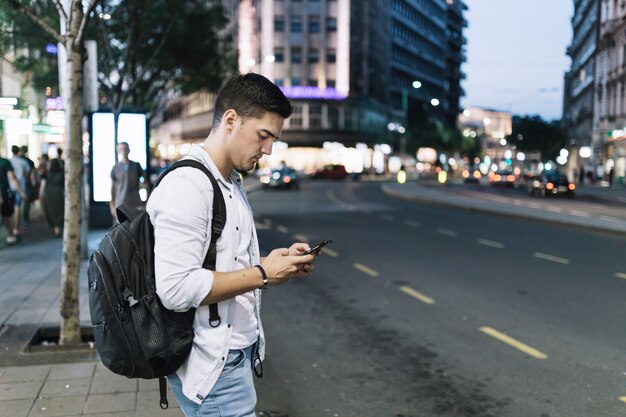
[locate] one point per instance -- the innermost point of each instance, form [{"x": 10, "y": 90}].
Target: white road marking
[
  {"x": 555, "y": 209},
  {"x": 513, "y": 343},
  {"x": 369, "y": 271},
  {"x": 423, "y": 298},
  {"x": 261, "y": 226},
  {"x": 446, "y": 232},
  {"x": 620, "y": 275},
  {"x": 330, "y": 252},
  {"x": 388, "y": 217},
  {"x": 552, "y": 258},
  {"x": 490, "y": 243},
  {"x": 282, "y": 229},
  {"x": 300, "y": 238},
  {"x": 413, "y": 223},
  {"x": 579, "y": 213},
  {"x": 611, "y": 219}
]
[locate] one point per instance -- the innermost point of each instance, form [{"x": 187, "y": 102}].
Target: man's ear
[{"x": 230, "y": 119}]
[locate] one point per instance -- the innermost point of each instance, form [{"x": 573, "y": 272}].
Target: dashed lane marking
[
  {"x": 552, "y": 258},
  {"x": 530, "y": 351},
  {"x": 413, "y": 223},
  {"x": 490, "y": 243},
  {"x": 261, "y": 226},
  {"x": 300, "y": 238},
  {"x": 388, "y": 217},
  {"x": 423, "y": 298},
  {"x": 620, "y": 275},
  {"x": 447, "y": 232},
  {"x": 610, "y": 219},
  {"x": 579, "y": 213},
  {"x": 555, "y": 209},
  {"x": 622, "y": 399},
  {"x": 330, "y": 252},
  {"x": 369, "y": 271},
  {"x": 282, "y": 229}
]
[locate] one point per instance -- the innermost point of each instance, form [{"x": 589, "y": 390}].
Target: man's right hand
[{"x": 280, "y": 267}]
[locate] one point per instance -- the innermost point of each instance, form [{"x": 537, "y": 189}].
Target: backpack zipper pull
[{"x": 121, "y": 313}]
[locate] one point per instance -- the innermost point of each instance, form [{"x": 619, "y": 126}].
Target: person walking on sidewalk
[
  {"x": 7, "y": 198},
  {"x": 126, "y": 176},
  {"x": 22, "y": 173},
  {"x": 216, "y": 379},
  {"x": 52, "y": 193}
]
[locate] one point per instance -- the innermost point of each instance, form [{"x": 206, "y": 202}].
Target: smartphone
[{"x": 317, "y": 247}]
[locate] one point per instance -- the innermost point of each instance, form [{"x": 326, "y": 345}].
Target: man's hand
[{"x": 280, "y": 265}]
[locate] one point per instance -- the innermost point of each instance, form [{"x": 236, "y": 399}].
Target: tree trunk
[{"x": 70, "y": 267}]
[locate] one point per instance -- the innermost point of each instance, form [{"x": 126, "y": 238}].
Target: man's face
[
  {"x": 122, "y": 153},
  {"x": 254, "y": 138}
]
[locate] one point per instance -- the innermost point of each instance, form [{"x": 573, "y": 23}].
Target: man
[
  {"x": 216, "y": 379},
  {"x": 7, "y": 198},
  {"x": 22, "y": 173},
  {"x": 32, "y": 186},
  {"x": 125, "y": 180}
]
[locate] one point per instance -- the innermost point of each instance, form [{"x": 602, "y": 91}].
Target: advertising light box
[{"x": 132, "y": 130}]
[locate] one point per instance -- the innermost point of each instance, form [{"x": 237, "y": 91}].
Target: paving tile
[
  {"x": 150, "y": 401},
  {"x": 170, "y": 412},
  {"x": 116, "y": 414},
  {"x": 15, "y": 408},
  {"x": 108, "y": 403},
  {"x": 109, "y": 383},
  {"x": 148, "y": 384},
  {"x": 65, "y": 388},
  {"x": 20, "y": 390},
  {"x": 25, "y": 373},
  {"x": 58, "y": 407},
  {"x": 72, "y": 371}
]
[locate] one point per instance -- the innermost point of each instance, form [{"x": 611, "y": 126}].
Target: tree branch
[
  {"x": 16, "y": 5},
  {"x": 153, "y": 57},
  {"x": 61, "y": 11},
  {"x": 79, "y": 36}
]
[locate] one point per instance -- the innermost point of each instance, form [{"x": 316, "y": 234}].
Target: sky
[{"x": 516, "y": 55}]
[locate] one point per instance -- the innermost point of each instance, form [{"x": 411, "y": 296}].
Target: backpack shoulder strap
[{"x": 217, "y": 223}]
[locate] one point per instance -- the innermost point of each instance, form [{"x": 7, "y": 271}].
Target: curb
[{"x": 428, "y": 196}]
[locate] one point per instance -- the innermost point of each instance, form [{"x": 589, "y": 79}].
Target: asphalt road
[{"x": 418, "y": 310}]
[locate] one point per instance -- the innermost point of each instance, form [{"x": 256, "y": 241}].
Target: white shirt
[{"x": 180, "y": 210}]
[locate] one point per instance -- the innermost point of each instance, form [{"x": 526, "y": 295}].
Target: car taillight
[
  {"x": 497, "y": 177},
  {"x": 571, "y": 187},
  {"x": 465, "y": 174},
  {"x": 549, "y": 186},
  {"x": 510, "y": 178},
  {"x": 476, "y": 174},
  {"x": 286, "y": 179}
]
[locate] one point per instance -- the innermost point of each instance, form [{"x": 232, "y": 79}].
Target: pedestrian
[
  {"x": 32, "y": 190},
  {"x": 216, "y": 379},
  {"x": 22, "y": 173},
  {"x": 611, "y": 176},
  {"x": 52, "y": 193},
  {"x": 7, "y": 198},
  {"x": 126, "y": 176}
]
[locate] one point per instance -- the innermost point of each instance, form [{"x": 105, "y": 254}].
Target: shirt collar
[{"x": 197, "y": 152}]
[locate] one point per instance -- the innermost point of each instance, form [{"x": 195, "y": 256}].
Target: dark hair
[
  {"x": 15, "y": 149},
  {"x": 251, "y": 96},
  {"x": 125, "y": 144},
  {"x": 24, "y": 149}
]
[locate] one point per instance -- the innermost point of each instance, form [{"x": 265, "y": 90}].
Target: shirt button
[
  {"x": 230, "y": 196},
  {"x": 229, "y": 325},
  {"x": 237, "y": 228},
  {"x": 235, "y": 258},
  {"x": 238, "y": 180},
  {"x": 222, "y": 358}
]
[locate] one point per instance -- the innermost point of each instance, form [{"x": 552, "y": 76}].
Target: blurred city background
[{"x": 467, "y": 158}]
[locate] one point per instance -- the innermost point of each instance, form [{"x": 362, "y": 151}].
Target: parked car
[
  {"x": 551, "y": 184},
  {"x": 286, "y": 178},
  {"x": 471, "y": 175},
  {"x": 502, "y": 178},
  {"x": 331, "y": 172}
]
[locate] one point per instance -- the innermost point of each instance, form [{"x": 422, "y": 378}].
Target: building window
[
  {"x": 314, "y": 24},
  {"x": 296, "y": 116},
  {"x": 331, "y": 24},
  {"x": 279, "y": 82},
  {"x": 279, "y": 54},
  {"x": 330, "y": 83},
  {"x": 296, "y": 23},
  {"x": 331, "y": 55},
  {"x": 296, "y": 82},
  {"x": 312, "y": 82},
  {"x": 279, "y": 23},
  {"x": 333, "y": 117},
  {"x": 314, "y": 55},
  {"x": 296, "y": 55},
  {"x": 315, "y": 115}
]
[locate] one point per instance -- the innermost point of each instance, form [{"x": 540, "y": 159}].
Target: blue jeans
[{"x": 233, "y": 394}]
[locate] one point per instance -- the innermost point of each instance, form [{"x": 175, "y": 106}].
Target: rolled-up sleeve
[{"x": 180, "y": 213}]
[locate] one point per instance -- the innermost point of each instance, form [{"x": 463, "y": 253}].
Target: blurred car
[
  {"x": 502, "y": 178},
  {"x": 331, "y": 172},
  {"x": 471, "y": 175},
  {"x": 551, "y": 184},
  {"x": 286, "y": 178}
]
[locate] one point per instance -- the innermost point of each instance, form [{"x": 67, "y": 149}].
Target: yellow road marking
[
  {"x": 490, "y": 243},
  {"x": 330, "y": 252},
  {"x": 622, "y": 399},
  {"x": 552, "y": 258},
  {"x": 447, "y": 232},
  {"x": 620, "y": 275},
  {"x": 423, "y": 298},
  {"x": 513, "y": 343},
  {"x": 282, "y": 229},
  {"x": 369, "y": 271}
]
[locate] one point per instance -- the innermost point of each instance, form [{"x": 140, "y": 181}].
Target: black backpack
[{"x": 134, "y": 334}]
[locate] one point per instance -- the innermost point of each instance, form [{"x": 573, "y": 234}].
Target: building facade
[{"x": 609, "y": 130}]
